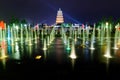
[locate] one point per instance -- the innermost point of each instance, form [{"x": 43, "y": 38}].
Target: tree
[
  {"x": 14, "y": 20},
  {"x": 23, "y": 21}
]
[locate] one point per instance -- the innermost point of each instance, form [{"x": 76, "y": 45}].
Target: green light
[{"x": 68, "y": 48}]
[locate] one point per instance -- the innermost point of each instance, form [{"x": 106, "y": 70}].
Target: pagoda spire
[{"x": 59, "y": 9}]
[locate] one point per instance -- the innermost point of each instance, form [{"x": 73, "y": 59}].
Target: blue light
[
  {"x": 55, "y": 8},
  {"x": 9, "y": 33}
]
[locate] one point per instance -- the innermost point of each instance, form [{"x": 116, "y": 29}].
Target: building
[{"x": 59, "y": 18}]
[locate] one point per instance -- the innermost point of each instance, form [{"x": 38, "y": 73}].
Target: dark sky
[{"x": 44, "y": 11}]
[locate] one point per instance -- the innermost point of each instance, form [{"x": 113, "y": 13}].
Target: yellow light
[
  {"x": 106, "y": 23},
  {"x": 118, "y": 43},
  {"x": 108, "y": 56},
  {"x": 73, "y": 56},
  {"x": 30, "y": 44},
  {"x": 115, "y": 48},
  {"x": 44, "y": 48},
  {"x": 92, "y": 48},
  {"x": 83, "y": 46},
  {"x": 3, "y": 57},
  {"x": 38, "y": 57}
]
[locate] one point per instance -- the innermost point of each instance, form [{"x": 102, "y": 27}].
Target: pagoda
[{"x": 59, "y": 18}]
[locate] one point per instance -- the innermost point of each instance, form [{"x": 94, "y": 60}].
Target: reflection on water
[
  {"x": 57, "y": 51},
  {"x": 45, "y": 54},
  {"x": 91, "y": 54},
  {"x": 73, "y": 63},
  {"x": 86, "y": 54},
  {"x": 3, "y": 53},
  {"x": 73, "y": 54},
  {"x": 59, "y": 55},
  {"x": 17, "y": 51},
  {"x": 30, "y": 50},
  {"x": 107, "y": 64},
  {"x": 117, "y": 53},
  {"x": 16, "y": 54},
  {"x": 3, "y": 57}
]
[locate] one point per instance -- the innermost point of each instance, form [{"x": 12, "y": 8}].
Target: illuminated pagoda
[{"x": 59, "y": 18}]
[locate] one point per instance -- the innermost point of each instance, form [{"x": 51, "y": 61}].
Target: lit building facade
[{"x": 59, "y": 18}]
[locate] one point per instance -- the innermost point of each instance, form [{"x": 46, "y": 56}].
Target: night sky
[{"x": 45, "y": 11}]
